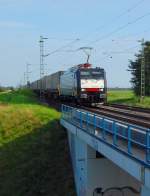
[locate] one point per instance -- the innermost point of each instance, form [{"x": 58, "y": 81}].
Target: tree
[{"x": 135, "y": 68}]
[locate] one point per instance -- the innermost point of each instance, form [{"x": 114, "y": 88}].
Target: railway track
[
  {"x": 133, "y": 108},
  {"x": 129, "y": 115},
  {"x": 125, "y": 111}
]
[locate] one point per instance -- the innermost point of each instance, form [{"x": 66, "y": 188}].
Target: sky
[{"x": 112, "y": 28}]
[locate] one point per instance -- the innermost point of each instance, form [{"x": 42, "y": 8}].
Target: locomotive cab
[
  {"x": 91, "y": 85},
  {"x": 83, "y": 84}
]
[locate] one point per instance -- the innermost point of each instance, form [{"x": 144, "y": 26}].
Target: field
[
  {"x": 127, "y": 97},
  {"x": 34, "y": 157}
]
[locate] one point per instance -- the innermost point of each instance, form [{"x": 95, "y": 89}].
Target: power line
[
  {"x": 42, "y": 55},
  {"x": 64, "y": 39},
  {"x": 127, "y": 50},
  {"x": 62, "y": 47},
  {"x": 130, "y": 9},
  {"x": 120, "y": 28},
  {"x": 128, "y": 39},
  {"x": 136, "y": 34}
]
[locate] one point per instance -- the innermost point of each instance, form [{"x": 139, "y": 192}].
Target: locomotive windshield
[{"x": 92, "y": 74}]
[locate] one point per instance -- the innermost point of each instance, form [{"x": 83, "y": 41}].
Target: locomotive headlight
[{"x": 83, "y": 90}]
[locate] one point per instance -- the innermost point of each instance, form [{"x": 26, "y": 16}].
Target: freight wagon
[{"x": 52, "y": 86}]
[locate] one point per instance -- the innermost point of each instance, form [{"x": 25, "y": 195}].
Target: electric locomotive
[{"x": 84, "y": 84}]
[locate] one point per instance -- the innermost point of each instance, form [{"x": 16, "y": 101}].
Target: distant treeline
[
  {"x": 2, "y": 88},
  {"x": 119, "y": 89}
]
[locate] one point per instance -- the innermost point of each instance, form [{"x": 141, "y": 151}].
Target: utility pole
[
  {"x": 42, "y": 66},
  {"x": 27, "y": 74},
  {"x": 142, "y": 72},
  {"x": 24, "y": 79}
]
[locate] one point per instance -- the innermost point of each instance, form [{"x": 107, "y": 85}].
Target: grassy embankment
[
  {"x": 33, "y": 148},
  {"x": 127, "y": 97}
]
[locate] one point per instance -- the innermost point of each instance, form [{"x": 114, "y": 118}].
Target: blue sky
[{"x": 109, "y": 26}]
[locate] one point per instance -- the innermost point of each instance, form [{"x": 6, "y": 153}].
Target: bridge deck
[
  {"x": 133, "y": 140},
  {"x": 129, "y": 140}
]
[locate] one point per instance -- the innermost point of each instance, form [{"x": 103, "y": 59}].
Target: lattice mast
[
  {"x": 42, "y": 92},
  {"x": 142, "y": 71}
]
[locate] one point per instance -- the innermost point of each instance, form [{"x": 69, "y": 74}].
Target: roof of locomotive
[{"x": 85, "y": 66}]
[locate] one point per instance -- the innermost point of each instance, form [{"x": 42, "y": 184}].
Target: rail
[{"x": 130, "y": 139}]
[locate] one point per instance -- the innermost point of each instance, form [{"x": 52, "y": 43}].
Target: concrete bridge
[{"x": 109, "y": 157}]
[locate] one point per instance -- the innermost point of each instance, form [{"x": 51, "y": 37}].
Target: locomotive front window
[
  {"x": 96, "y": 73},
  {"x": 85, "y": 73},
  {"x": 91, "y": 74}
]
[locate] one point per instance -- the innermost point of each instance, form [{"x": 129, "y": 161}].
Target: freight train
[{"x": 80, "y": 84}]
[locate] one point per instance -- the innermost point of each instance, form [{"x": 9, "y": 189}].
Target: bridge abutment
[{"x": 93, "y": 170}]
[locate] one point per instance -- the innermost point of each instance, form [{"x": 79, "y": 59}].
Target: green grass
[
  {"x": 18, "y": 97},
  {"x": 127, "y": 97},
  {"x": 33, "y": 148}
]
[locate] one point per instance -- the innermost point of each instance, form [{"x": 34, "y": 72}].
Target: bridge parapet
[{"x": 129, "y": 139}]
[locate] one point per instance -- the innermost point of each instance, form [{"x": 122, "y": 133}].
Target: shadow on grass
[{"x": 37, "y": 164}]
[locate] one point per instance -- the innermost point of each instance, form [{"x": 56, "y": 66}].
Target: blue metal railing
[{"x": 130, "y": 139}]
